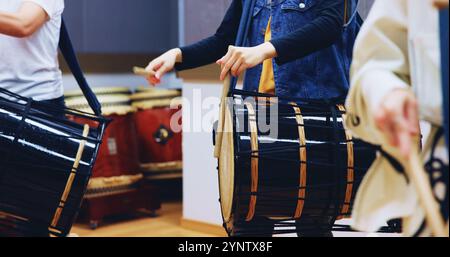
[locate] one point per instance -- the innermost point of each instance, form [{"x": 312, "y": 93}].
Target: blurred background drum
[
  {"x": 116, "y": 184},
  {"x": 158, "y": 127},
  {"x": 118, "y": 154},
  {"x": 99, "y": 91}
]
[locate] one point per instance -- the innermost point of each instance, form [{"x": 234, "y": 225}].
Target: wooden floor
[{"x": 167, "y": 224}]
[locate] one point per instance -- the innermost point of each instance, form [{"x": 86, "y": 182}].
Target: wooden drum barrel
[
  {"x": 117, "y": 165},
  {"x": 158, "y": 127}
]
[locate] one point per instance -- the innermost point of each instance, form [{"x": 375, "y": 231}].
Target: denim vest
[{"x": 320, "y": 75}]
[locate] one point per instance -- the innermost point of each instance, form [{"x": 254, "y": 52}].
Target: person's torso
[
  {"x": 320, "y": 75},
  {"x": 424, "y": 58},
  {"x": 29, "y": 66}
]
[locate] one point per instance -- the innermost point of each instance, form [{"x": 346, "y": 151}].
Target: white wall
[{"x": 200, "y": 181}]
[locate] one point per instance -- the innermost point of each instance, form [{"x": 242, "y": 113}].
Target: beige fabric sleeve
[{"x": 380, "y": 64}]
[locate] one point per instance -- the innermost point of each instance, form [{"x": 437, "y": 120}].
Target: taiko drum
[
  {"x": 158, "y": 127},
  {"x": 118, "y": 155}
]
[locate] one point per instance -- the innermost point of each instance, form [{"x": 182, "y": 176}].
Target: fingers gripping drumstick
[
  {"x": 142, "y": 72},
  {"x": 420, "y": 180},
  {"x": 223, "y": 106}
]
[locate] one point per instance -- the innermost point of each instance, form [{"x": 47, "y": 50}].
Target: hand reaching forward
[{"x": 163, "y": 64}]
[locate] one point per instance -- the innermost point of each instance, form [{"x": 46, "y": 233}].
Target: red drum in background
[
  {"x": 116, "y": 185},
  {"x": 118, "y": 155},
  {"x": 160, "y": 152}
]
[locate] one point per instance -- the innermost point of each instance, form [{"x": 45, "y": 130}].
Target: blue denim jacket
[{"x": 321, "y": 75}]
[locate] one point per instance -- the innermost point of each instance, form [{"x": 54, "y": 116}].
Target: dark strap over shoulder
[
  {"x": 65, "y": 45},
  {"x": 443, "y": 17},
  {"x": 351, "y": 13},
  {"x": 244, "y": 26}
]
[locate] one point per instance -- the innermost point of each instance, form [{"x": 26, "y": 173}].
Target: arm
[
  {"x": 211, "y": 49},
  {"x": 382, "y": 110},
  {"x": 27, "y": 20},
  {"x": 320, "y": 33},
  {"x": 201, "y": 53}
]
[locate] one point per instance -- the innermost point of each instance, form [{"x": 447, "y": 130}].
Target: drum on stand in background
[
  {"x": 116, "y": 175},
  {"x": 299, "y": 181},
  {"x": 46, "y": 161},
  {"x": 99, "y": 91},
  {"x": 118, "y": 154},
  {"x": 160, "y": 152}
]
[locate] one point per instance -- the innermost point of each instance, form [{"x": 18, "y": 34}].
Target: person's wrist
[
  {"x": 268, "y": 50},
  {"x": 178, "y": 55}
]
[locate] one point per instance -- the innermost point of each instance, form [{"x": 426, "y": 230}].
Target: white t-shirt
[{"x": 29, "y": 66}]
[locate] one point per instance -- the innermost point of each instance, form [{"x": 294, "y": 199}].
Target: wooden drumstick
[
  {"x": 223, "y": 106},
  {"x": 142, "y": 72},
  {"x": 432, "y": 214}
]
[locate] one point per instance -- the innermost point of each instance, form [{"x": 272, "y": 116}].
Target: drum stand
[{"x": 97, "y": 207}]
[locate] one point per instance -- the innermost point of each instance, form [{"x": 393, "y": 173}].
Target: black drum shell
[
  {"x": 37, "y": 154},
  {"x": 279, "y": 167}
]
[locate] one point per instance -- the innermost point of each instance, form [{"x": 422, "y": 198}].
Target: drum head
[{"x": 226, "y": 168}]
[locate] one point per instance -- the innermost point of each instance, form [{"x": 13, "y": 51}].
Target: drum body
[
  {"x": 308, "y": 171},
  {"x": 158, "y": 140},
  {"x": 118, "y": 155},
  {"x": 117, "y": 167},
  {"x": 46, "y": 163}
]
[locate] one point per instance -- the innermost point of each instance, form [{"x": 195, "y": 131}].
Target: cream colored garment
[{"x": 396, "y": 48}]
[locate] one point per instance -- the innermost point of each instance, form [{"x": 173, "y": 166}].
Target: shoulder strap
[
  {"x": 66, "y": 47},
  {"x": 244, "y": 26},
  {"x": 443, "y": 17},
  {"x": 351, "y": 13}
]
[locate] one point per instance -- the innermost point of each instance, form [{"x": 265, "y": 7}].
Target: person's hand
[
  {"x": 163, "y": 64},
  {"x": 397, "y": 117},
  {"x": 239, "y": 59}
]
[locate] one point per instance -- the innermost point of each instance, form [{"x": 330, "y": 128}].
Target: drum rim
[
  {"x": 99, "y": 91},
  {"x": 111, "y": 104},
  {"x": 155, "y": 94},
  {"x": 233, "y": 203},
  {"x": 156, "y": 103}
]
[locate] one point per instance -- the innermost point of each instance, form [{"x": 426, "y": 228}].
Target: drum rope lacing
[{"x": 338, "y": 181}]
